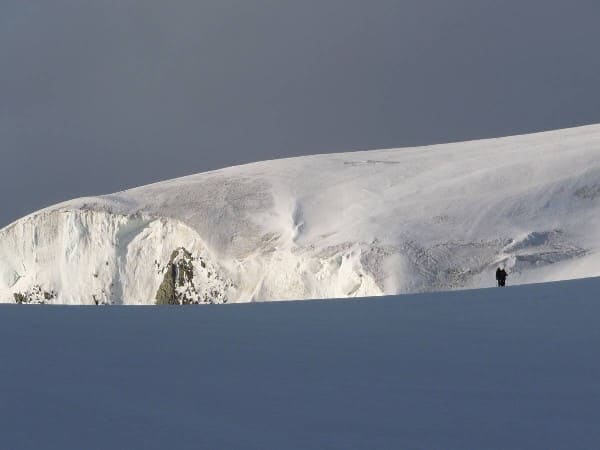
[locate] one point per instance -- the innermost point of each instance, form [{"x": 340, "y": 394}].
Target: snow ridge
[{"x": 339, "y": 225}]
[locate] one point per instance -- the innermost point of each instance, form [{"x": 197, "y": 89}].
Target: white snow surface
[
  {"x": 353, "y": 224},
  {"x": 495, "y": 369}
]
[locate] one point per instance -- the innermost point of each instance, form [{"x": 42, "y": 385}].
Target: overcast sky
[{"x": 100, "y": 96}]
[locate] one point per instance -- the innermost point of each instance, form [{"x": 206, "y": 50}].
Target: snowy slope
[
  {"x": 493, "y": 369},
  {"x": 337, "y": 225}
]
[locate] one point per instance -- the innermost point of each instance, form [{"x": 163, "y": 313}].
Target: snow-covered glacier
[{"x": 336, "y": 225}]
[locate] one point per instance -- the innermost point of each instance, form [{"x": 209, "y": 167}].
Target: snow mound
[{"x": 338, "y": 225}]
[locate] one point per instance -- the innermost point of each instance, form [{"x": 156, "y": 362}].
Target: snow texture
[
  {"x": 326, "y": 226},
  {"x": 511, "y": 368}
]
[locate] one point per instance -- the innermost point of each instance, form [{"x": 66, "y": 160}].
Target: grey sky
[{"x": 100, "y": 96}]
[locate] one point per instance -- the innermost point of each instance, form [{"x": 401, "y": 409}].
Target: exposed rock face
[
  {"x": 35, "y": 295},
  {"x": 189, "y": 280}
]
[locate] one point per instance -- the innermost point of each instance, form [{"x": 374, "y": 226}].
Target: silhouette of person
[{"x": 501, "y": 276}]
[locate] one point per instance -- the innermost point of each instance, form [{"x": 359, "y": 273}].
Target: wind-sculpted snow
[{"x": 339, "y": 225}]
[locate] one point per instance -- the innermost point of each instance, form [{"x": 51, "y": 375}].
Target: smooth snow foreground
[
  {"x": 338, "y": 225},
  {"x": 514, "y": 368}
]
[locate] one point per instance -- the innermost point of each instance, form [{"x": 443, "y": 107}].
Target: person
[{"x": 501, "y": 276}]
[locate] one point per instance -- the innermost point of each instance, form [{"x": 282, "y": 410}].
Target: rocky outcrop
[
  {"x": 35, "y": 295},
  {"x": 183, "y": 282}
]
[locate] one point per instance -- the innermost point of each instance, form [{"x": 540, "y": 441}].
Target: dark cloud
[{"x": 100, "y": 96}]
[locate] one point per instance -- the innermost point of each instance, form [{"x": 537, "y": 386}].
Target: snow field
[
  {"x": 325, "y": 226},
  {"x": 513, "y": 368}
]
